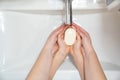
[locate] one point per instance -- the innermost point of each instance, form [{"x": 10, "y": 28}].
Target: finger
[
  {"x": 57, "y": 31},
  {"x": 71, "y": 50},
  {"x": 77, "y": 36},
  {"x": 81, "y": 34},
  {"x": 66, "y": 27},
  {"x": 73, "y": 27},
  {"x": 80, "y": 29},
  {"x": 61, "y": 34},
  {"x": 76, "y": 26},
  {"x": 60, "y": 37},
  {"x": 77, "y": 43},
  {"x": 55, "y": 48}
]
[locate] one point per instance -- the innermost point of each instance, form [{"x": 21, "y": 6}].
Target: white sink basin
[{"x": 24, "y": 32}]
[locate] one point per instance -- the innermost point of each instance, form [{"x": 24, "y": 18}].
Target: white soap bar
[{"x": 70, "y": 36}]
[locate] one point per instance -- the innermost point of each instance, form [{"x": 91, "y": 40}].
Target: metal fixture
[{"x": 68, "y": 12}]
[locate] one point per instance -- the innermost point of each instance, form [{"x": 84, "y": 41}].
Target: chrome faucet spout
[{"x": 68, "y": 12}]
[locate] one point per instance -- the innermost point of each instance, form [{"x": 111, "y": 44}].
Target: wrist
[
  {"x": 46, "y": 52},
  {"x": 90, "y": 55},
  {"x": 50, "y": 77},
  {"x": 88, "y": 51},
  {"x": 63, "y": 50}
]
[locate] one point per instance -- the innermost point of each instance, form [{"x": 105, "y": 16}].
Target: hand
[
  {"x": 41, "y": 68},
  {"x": 77, "y": 55},
  {"x": 92, "y": 67},
  {"x": 51, "y": 43},
  {"x": 60, "y": 55},
  {"x": 86, "y": 40}
]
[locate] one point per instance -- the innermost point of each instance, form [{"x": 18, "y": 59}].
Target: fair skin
[
  {"x": 55, "y": 51},
  {"x": 51, "y": 56},
  {"x": 92, "y": 68}
]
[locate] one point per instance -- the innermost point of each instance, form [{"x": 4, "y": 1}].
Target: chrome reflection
[{"x": 2, "y": 28}]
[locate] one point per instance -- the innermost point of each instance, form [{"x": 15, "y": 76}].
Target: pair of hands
[
  {"x": 59, "y": 50},
  {"x": 55, "y": 51}
]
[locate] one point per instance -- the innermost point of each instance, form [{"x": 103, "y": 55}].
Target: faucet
[{"x": 68, "y": 12}]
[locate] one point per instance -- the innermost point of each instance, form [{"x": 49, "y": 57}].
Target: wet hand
[
  {"x": 76, "y": 53},
  {"x": 51, "y": 45},
  {"x": 60, "y": 55},
  {"x": 86, "y": 40}
]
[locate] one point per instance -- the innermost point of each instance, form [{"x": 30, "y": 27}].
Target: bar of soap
[{"x": 70, "y": 36}]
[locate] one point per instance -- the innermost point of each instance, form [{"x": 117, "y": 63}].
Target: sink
[
  {"x": 50, "y": 4},
  {"x": 23, "y": 33}
]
